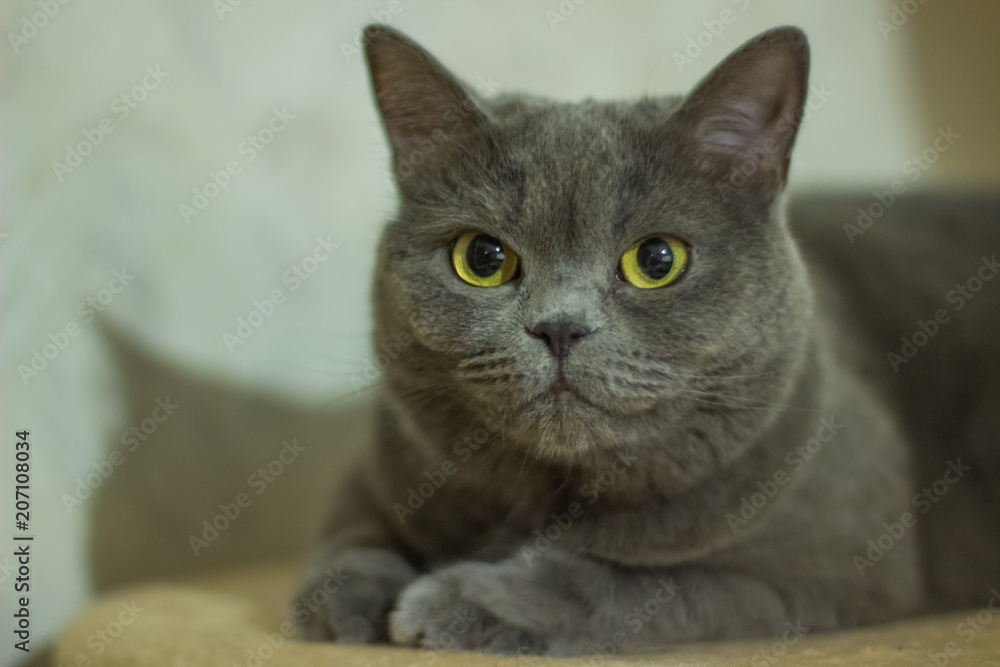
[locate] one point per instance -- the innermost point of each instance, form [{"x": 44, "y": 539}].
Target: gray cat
[{"x": 621, "y": 409}]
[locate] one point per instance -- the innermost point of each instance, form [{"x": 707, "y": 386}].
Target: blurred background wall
[{"x": 177, "y": 164}]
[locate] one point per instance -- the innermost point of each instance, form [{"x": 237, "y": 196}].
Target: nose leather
[{"x": 560, "y": 335}]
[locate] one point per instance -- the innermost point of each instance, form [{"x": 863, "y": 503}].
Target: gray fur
[{"x": 555, "y": 522}]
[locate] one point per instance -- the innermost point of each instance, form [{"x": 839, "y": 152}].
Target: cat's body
[
  {"x": 923, "y": 258},
  {"x": 566, "y": 460}
]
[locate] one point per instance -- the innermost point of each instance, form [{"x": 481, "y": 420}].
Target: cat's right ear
[
  {"x": 742, "y": 118},
  {"x": 422, "y": 105}
]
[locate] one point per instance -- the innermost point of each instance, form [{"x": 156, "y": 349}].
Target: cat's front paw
[
  {"x": 349, "y": 600},
  {"x": 479, "y": 607}
]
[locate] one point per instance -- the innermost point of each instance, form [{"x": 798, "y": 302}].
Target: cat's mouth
[
  {"x": 562, "y": 418},
  {"x": 560, "y": 386},
  {"x": 563, "y": 395},
  {"x": 566, "y": 397},
  {"x": 562, "y": 391}
]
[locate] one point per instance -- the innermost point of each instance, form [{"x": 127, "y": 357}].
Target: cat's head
[{"x": 605, "y": 275}]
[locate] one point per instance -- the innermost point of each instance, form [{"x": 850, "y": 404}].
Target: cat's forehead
[
  {"x": 576, "y": 170},
  {"x": 559, "y": 139}
]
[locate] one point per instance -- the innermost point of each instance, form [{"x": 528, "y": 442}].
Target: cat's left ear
[
  {"x": 422, "y": 105},
  {"x": 742, "y": 118}
]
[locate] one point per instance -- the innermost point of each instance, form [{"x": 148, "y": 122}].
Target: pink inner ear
[
  {"x": 742, "y": 125},
  {"x": 407, "y": 120},
  {"x": 748, "y": 108}
]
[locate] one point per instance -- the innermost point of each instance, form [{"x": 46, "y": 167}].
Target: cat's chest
[{"x": 583, "y": 514}]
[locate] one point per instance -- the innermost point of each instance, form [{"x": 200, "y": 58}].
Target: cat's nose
[{"x": 560, "y": 335}]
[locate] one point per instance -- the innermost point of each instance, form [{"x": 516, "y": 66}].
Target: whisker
[
  {"x": 490, "y": 378},
  {"x": 430, "y": 396},
  {"x": 484, "y": 361},
  {"x": 760, "y": 405},
  {"x": 725, "y": 405},
  {"x": 569, "y": 472},
  {"x": 416, "y": 391},
  {"x": 760, "y": 402},
  {"x": 725, "y": 377}
]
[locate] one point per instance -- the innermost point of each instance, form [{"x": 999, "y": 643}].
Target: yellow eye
[
  {"x": 654, "y": 261},
  {"x": 483, "y": 261}
]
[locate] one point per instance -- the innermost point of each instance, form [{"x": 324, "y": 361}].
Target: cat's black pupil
[
  {"x": 655, "y": 258},
  {"x": 485, "y": 255}
]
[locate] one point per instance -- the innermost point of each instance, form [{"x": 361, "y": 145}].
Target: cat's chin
[
  {"x": 563, "y": 423},
  {"x": 565, "y": 399}
]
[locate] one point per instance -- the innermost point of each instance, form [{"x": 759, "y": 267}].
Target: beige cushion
[{"x": 236, "y": 618}]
